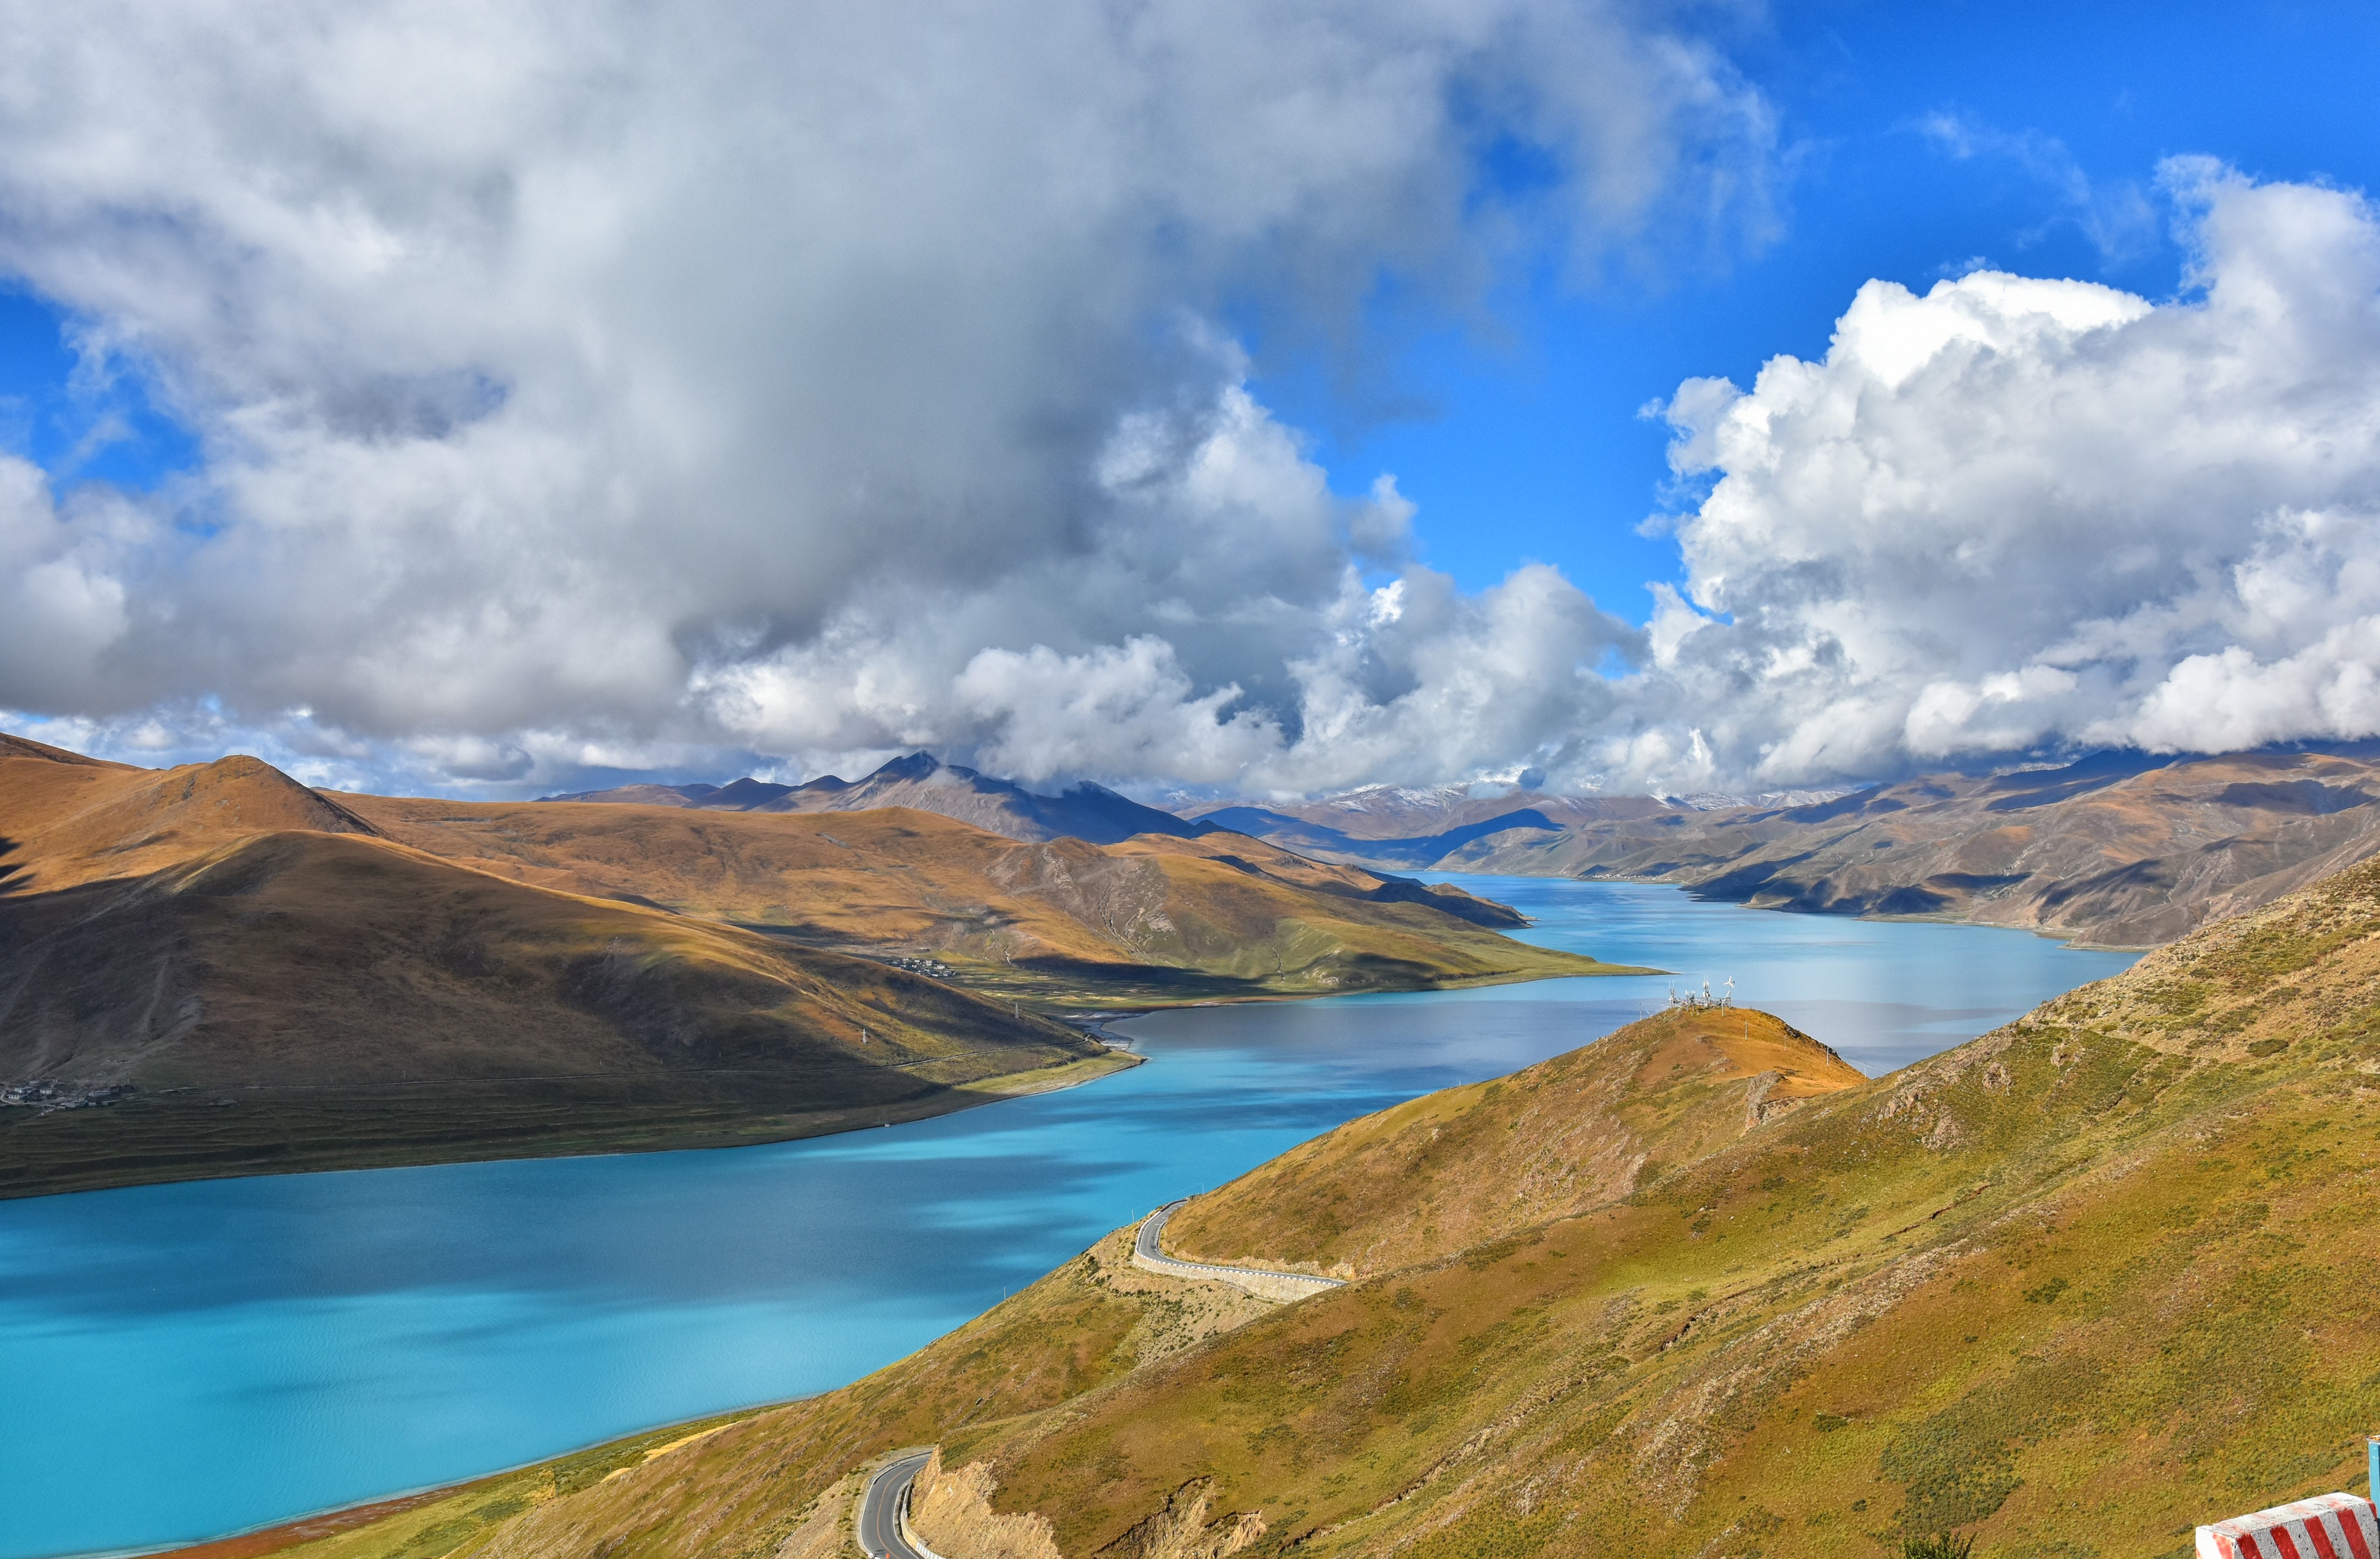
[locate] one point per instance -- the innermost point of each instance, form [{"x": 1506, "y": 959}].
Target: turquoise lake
[{"x": 180, "y": 1362}]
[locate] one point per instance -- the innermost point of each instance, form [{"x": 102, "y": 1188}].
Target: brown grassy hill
[
  {"x": 247, "y": 976},
  {"x": 1154, "y": 918},
  {"x": 68, "y": 819},
  {"x": 2072, "y": 1287},
  {"x": 2119, "y": 851},
  {"x": 1450, "y": 1169}
]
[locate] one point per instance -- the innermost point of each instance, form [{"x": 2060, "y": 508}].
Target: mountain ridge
[
  {"x": 2116, "y": 849},
  {"x": 214, "y": 969},
  {"x": 1087, "y": 811},
  {"x": 230, "y": 973}
]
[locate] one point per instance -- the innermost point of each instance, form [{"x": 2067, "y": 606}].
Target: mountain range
[
  {"x": 922, "y": 783},
  {"x": 214, "y": 970},
  {"x": 2118, "y": 850}
]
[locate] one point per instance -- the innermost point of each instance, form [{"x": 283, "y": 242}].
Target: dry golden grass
[
  {"x": 283, "y": 988},
  {"x": 1450, "y": 1169},
  {"x": 1150, "y": 920},
  {"x": 2072, "y": 1287}
]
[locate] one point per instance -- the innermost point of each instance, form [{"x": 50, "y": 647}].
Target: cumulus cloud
[
  {"x": 2015, "y": 513},
  {"x": 610, "y": 377},
  {"x": 610, "y": 385}
]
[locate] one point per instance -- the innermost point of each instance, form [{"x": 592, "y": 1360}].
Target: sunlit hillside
[
  {"x": 2072, "y": 1287},
  {"x": 1151, "y": 918},
  {"x": 214, "y": 970}
]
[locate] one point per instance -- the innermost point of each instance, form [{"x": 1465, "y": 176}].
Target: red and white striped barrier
[{"x": 2325, "y": 1527}]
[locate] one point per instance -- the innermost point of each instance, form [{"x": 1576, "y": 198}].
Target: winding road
[
  {"x": 881, "y": 1507},
  {"x": 1255, "y": 1279}
]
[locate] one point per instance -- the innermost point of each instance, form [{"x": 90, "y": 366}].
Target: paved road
[
  {"x": 1146, "y": 1246},
  {"x": 880, "y": 1509}
]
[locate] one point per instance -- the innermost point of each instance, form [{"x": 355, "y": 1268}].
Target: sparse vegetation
[
  {"x": 1938, "y": 1545},
  {"x": 262, "y": 979},
  {"x": 2123, "y": 1291}
]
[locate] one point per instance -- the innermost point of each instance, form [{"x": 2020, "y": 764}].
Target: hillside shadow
[{"x": 11, "y": 873}]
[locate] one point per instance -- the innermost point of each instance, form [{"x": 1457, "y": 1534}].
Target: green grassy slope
[
  {"x": 1445, "y": 1171},
  {"x": 2072, "y": 1287}
]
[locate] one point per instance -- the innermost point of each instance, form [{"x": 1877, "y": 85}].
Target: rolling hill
[
  {"x": 1153, "y": 918},
  {"x": 2118, "y": 850},
  {"x": 214, "y": 970},
  {"x": 228, "y": 973},
  {"x": 1694, "y": 1290}
]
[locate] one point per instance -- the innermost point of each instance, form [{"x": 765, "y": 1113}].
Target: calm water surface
[{"x": 177, "y": 1363}]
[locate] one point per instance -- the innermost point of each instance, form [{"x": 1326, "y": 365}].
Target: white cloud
[
  {"x": 2118, "y": 219},
  {"x": 613, "y": 376},
  {"x": 607, "y": 384},
  {"x": 62, "y": 610},
  {"x": 2015, "y": 512}
]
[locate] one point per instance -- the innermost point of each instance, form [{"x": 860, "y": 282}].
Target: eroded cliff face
[{"x": 951, "y": 1510}]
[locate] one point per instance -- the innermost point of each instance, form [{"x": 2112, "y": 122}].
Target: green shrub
[{"x": 1940, "y": 1545}]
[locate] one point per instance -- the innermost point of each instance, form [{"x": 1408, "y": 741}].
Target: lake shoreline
[
  {"x": 237, "y": 1341},
  {"x": 100, "y": 1173},
  {"x": 98, "y": 1162}
]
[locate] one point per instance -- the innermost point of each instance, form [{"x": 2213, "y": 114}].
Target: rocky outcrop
[
  {"x": 951, "y": 1511},
  {"x": 1182, "y": 1530}
]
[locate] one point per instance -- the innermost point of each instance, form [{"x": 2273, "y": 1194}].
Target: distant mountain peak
[
  {"x": 745, "y": 795},
  {"x": 920, "y": 781},
  {"x": 916, "y": 766}
]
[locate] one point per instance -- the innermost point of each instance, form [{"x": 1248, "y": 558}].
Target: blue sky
[
  {"x": 80, "y": 421},
  {"x": 1521, "y": 441},
  {"x": 797, "y": 386},
  {"x": 1533, "y": 447}
]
